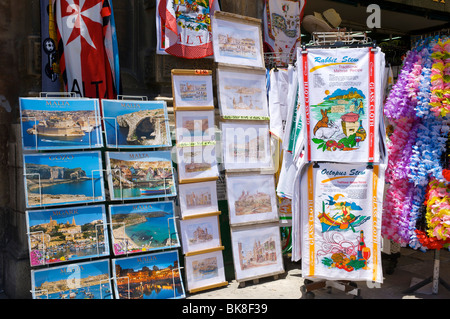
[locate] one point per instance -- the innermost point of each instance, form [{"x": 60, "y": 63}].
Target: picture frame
[
  {"x": 140, "y": 175},
  {"x": 63, "y": 178},
  {"x": 246, "y": 145},
  {"x": 242, "y": 93},
  {"x": 192, "y": 89},
  {"x": 232, "y": 33},
  {"x": 194, "y": 127},
  {"x": 136, "y": 124},
  {"x": 200, "y": 234},
  {"x": 59, "y": 235},
  {"x": 251, "y": 199},
  {"x": 197, "y": 163},
  {"x": 264, "y": 241},
  {"x": 142, "y": 227},
  {"x": 197, "y": 199},
  {"x": 87, "y": 280},
  {"x": 60, "y": 124},
  {"x": 148, "y": 276},
  {"x": 205, "y": 271}
]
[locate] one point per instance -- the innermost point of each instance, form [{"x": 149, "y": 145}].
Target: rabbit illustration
[
  {"x": 323, "y": 122},
  {"x": 326, "y": 133}
]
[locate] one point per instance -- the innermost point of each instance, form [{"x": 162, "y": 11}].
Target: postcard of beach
[
  {"x": 140, "y": 175},
  {"x": 148, "y": 276},
  {"x": 88, "y": 280},
  {"x": 63, "y": 178},
  {"x": 143, "y": 226},
  {"x": 136, "y": 124},
  {"x": 67, "y": 234},
  {"x": 205, "y": 271},
  {"x": 58, "y": 124},
  {"x": 200, "y": 233},
  {"x": 198, "y": 198}
]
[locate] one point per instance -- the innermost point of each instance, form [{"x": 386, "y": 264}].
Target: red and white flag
[{"x": 88, "y": 47}]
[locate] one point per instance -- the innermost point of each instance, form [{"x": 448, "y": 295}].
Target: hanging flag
[
  {"x": 188, "y": 28},
  {"x": 87, "y": 46},
  {"x": 161, "y": 26}
]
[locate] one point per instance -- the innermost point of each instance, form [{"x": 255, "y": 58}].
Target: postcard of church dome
[
  {"x": 199, "y": 234},
  {"x": 58, "y": 124},
  {"x": 143, "y": 226},
  {"x": 87, "y": 280},
  {"x": 136, "y": 124},
  {"x": 67, "y": 234},
  {"x": 63, "y": 178},
  {"x": 148, "y": 276},
  {"x": 140, "y": 175},
  {"x": 242, "y": 93},
  {"x": 192, "y": 90}
]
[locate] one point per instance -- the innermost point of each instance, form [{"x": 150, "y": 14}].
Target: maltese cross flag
[{"x": 88, "y": 47}]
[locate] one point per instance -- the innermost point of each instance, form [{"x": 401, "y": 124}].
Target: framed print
[
  {"x": 246, "y": 146},
  {"x": 205, "y": 271},
  {"x": 136, "y": 124},
  {"x": 143, "y": 226},
  {"x": 198, "y": 198},
  {"x": 197, "y": 163},
  {"x": 237, "y": 40},
  {"x": 192, "y": 89},
  {"x": 149, "y": 276},
  {"x": 242, "y": 93},
  {"x": 256, "y": 251},
  {"x": 194, "y": 127},
  {"x": 200, "y": 234},
  {"x": 251, "y": 198},
  {"x": 60, "y": 235},
  {"x": 63, "y": 178},
  {"x": 88, "y": 280},
  {"x": 140, "y": 175},
  {"x": 60, "y": 124}
]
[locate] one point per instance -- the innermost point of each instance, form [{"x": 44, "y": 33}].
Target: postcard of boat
[
  {"x": 66, "y": 234},
  {"x": 140, "y": 175},
  {"x": 63, "y": 178},
  {"x": 149, "y": 276},
  {"x": 60, "y": 124},
  {"x": 136, "y": 124},
  {"x": 88, "y": 280},
  {"x": 143, "y": 226}
]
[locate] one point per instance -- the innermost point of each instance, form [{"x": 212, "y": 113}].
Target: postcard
[
  {"x": 148, "y": 276},
  {"x": 256, "y": 251},
  {"x": 143, "y": 226},
  {"x": 139, "y": 175},
  {"x": 63, "y": 178},
  {"x": 88, "y": 280},
  {"x": 58, "y": 124},
  {"x": 195, "y": 127},
  {"x": 242, "y": 93},
  {"x": 136, "y": 124},
  {"x": 200, "y": 233},
  {"x": 197, "y": 163},
  {"x": 251, "y": 198},
  {"x": 192, "y": 89},
  {"x": 205, "y": 270},
  {"x": 198, "y": 198},
  {"x": 66, "y": 234}
]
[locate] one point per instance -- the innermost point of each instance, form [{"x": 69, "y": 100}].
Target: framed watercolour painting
[
  {"x": 143, "y": 226},
  {"x": 205, "y": 271},
  {"x": 140, "y": 175},
  {"x": 199, "y": 234},
  {"x": 192, "y": 89},
  {"x": 198, "y": 198},
  {"x": 63, "y": 178},
  {"x": 197, "y": 163},
  {"x": 237, "y": 40},
  {"x": 149, "y": 276},
  {"x": 58, "y": 124},
  {"x": 194, "y": 127},
  {"x": 251, "y": 198},
  {"x": 88, "y": 280},
  {"x": 136, "y": 124},
  {"x": 60, "y": 235}
]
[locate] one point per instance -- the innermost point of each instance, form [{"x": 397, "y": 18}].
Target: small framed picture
[
  {"x": 192, "y": 89},
  {"x": 199, "y": 234},
  {"x": 197, "y": 163},
  {"x": 194, "y": 127},
  {"x": 251, "y": 198},
  {"x": 198, "y": 198},
  {"x": 237, "y": 40},
  {"x": 205, "y": 271}
]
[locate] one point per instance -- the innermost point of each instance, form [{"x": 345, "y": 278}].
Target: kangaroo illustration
[{"x": 323, "y": 122}]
